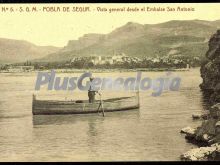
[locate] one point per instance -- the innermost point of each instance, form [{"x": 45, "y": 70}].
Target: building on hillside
[
  {"x": 20, "y": 68},
  {"x": 155, "y": 60},
  {"x": 121, "y": 57},
  {"x": 95, "y": 59},
  {"x": 136, "y": 59},
  {"x": 117, "y": 58},
  {"x": 107, "y": 60}
]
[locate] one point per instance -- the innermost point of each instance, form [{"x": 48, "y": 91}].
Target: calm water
[{"x": 150, "y": 133}]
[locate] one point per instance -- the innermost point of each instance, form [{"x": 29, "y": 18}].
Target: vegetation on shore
[{"x": 209, "y": 132}]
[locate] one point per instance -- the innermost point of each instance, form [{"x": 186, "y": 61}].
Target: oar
[
  {"x": 103, "y": 112},
  {"x": 101, "y": 105}
]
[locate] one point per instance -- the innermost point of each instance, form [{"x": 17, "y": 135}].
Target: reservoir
[{"x": 148, "y": 134}]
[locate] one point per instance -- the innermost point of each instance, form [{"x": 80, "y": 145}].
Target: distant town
[{"x": 119, "y": 60}]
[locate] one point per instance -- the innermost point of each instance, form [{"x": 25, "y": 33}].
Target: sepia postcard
[{"x": 83, "y": 82}]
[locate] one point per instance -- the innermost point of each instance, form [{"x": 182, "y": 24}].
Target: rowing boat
[{"x": 55, "y": 107}]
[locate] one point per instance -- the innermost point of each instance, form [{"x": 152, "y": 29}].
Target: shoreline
[
  {"x": 205, "y": 136},
  {"x": 208, "y": 133},
  {"x": 103, "y": 70}
]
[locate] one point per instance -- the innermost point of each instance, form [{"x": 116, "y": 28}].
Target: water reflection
[
  {"x": 92, "y": 133},
  {"x": 71, "y": 119},
  {"x": 150, "y": 133},
  {"x": 206, "y": 103},
  {"x": 72, "y": 135}
]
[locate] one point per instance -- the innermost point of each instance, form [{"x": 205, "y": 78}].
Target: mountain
[
  {"x": 186, "y": 37},
  {"x": 189, "y": 38},
  {"x": 83, "y": 42},
  {"x": 19, "y": 51}
]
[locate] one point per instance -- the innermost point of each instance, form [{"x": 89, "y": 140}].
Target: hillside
[
  {"x": 20, "y": 51},
  {"x": 190, "y": 38}
]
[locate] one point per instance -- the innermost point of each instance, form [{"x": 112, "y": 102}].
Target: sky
[{"x": 57, "y": 28}]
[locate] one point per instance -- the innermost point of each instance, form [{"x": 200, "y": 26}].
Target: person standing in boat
[{"x": 92, "y": 92}]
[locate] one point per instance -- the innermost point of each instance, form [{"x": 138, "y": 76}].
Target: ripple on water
[{"x": 150, "y": 133}]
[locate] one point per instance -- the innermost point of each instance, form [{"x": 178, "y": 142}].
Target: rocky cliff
[
  {"x": 208, "y": 133},
  {"x": 210, "y": 70}
]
